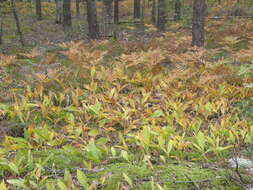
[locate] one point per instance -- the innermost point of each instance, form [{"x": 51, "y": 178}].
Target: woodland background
[{"x": 154, "y": 94}]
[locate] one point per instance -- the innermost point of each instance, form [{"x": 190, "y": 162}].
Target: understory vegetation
[{"x": 128, "y": 114}]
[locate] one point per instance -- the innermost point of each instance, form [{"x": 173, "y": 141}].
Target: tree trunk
[
  {"x": 92, "y": 19},
  {"x": 153, "y": 12},
  {"x": 137, "y": 9},
  {"x": 198, "y": 23},
  {"x": 17, "y": 23},
  {"x": 58, "y": 11},
  {"x": 1, "y": 31},
  {"x": 143, "y": 11},
  {"x": 178, "y": 5},
  {"x": 161, "y": 20},
  {"x": 66, "y": 8},
  {"x": 78, "y": 8},
  {"x": 107, "y": 17},
  {"x": 116, "y": 11},
  {"x": 38, "y": 9}
]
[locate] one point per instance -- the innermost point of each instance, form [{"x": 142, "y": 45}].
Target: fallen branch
[{"x": 226, "y": 17}]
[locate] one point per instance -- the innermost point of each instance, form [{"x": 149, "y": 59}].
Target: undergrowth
[{"x": 127, "y": 115}]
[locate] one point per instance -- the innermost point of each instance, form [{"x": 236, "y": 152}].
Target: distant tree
[
  {"x": 198, "y": 23},
  {"x": 178, "y": 5},
  {"x": 1, "y": 31},
  {"x": 77, "y": 8},
  {"x": 107, "y": 17},
  {"x": 143, "y": 6},
  {"x": 116, "y": 12},
  {"x": 161, "y": 18},
  {"x": 58, "y": 11},
  {"x": 15, "y": 14},
  {"x": 1, "y": 23},
  {"x": 153, "y": 12},
  {"x": 137, "y": 9},
  {"x": 38, "y": 9},
  {"x": 92, "y": 19},
  {"x": 66, "y": 12}
]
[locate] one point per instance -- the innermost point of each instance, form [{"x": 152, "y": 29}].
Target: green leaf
[
  {"x": 13, "y": 167},
  {"x": 95, "y": 108},
  {"x": 61, "y": 185},
  {"x": 95, "y": 152},
  {"x": 157, "y": 113},
  {"x": 128, "y": 180},
  {"x": 50, "y": 186},
  {"x": 124, "y": 154},
  {"x": 93, "y": 132},
  {"x": 18, "y": 182},
  {"x": 82, "y": 179}
]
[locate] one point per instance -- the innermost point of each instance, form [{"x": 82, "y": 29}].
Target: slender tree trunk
[
  {"x": 78, "y": 8},
  {"x": 161, "y": 20},
  {"x": 137, "y": 9},
  {"x": 92, "y": 19},
  {"x": 58, "y": 11},
  {"x": 1, "y": 31},
  {"x": 38, "y": 9},
  {"x": 17, "y": 23},
  {"x": 198, "y": 23},
  {"x": 66, "y": 8},
  {"x": 178, "y": 5},
  {"x": 107, "y": 17},
  {"x": 143, "y": 11},
  {"x": 153, "y": 12},
  {"x": 116, "y": 11}
]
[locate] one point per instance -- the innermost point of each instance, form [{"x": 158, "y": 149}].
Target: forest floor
[{"x": 146, "y": 111}]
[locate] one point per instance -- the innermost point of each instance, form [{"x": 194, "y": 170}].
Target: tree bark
[
  {"x": 1, "y": 23},
  {"x": 92, "y": 19},
  {"x": 161, "y": 20},
  {"x": 198, "y": 23},
  {"x": 107, "y": 17},
  {"x": 116, "y": 11},
  {"x": 66, "y": 8},
  {"x": 17, "y": 23},
  {"x": 178, "y": 5},
  {"x": 78, "y": 8},
  {"x": 1, "y": 31},
  {"x": 153, "y": 12},
  {"x": 38, "y": 9},
  {"x": 58, "y": 11},
  {"x": 137, "y": 9},
  {"x": 143, "y": 6}
]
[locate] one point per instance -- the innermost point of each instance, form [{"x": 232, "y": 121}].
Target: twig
[{"x": 237, "y": 167}]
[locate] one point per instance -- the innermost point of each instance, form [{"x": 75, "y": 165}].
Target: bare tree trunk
[
  {"x": 92, "y": 19},
  {"x": 137, "y": 9},
  {"x": 107, "y": 17},
  {"x": 78, "y": 8},
  {"x": 1, "y": 32},
  {"x": 178, "y": 5},
  {"x": 143, "y": 11},
  {"x": 38, "y": 9},
  {"x": 116, "y": 11},
  {"x": 58, "y": 11},
  {"x": 161, "y": 20},
  {"x": 17, "y": 23},
  {"x": 66, "y": 8},
  {"x": 153, "y": 12},
  {"x": 198, "y": 23}
]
